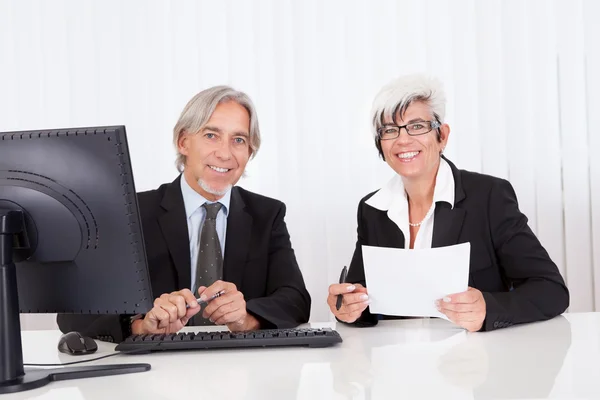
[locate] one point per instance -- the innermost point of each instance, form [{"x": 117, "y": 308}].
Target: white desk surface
[{"x": 408, "y": 359}]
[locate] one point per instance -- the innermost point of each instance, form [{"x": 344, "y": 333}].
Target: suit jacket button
[{"x": 496, "y": 324}]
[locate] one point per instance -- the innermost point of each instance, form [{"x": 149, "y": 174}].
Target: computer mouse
[{"x": 76, "y": 344}]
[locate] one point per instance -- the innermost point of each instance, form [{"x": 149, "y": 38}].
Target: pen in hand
[
  {"x": 214, "y": 296},
  {"x": 340, "y": 297},
  {"x": 200, "y": 303}
]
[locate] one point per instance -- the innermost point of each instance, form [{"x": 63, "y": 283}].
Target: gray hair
[
  {"x": 396, "y": 96},
  {"x": 199, "y": 109}
]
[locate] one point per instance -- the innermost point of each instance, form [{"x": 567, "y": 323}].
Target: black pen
[{"x": 340, "y": 297}]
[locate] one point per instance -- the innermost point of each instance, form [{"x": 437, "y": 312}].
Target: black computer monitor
[{"x": 70, "y": 238}]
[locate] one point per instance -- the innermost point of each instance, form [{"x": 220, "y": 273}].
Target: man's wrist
[
  {"x": 136, "y": 327},
  {"x": 248, "y": 323},
  {"x": 251, "y": 323}
]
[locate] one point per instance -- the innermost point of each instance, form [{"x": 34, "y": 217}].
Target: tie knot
[{"x": 212, "y": 210}]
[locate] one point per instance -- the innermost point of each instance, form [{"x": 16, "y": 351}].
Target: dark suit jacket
[
  {"x": 258, "y": 259},
  {"x": 519, "y": 281}
]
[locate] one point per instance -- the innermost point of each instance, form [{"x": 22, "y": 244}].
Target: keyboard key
[{"x": 311, "y": 337}]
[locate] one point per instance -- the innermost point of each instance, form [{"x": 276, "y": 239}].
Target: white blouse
[{"x": 392, "y": 198}]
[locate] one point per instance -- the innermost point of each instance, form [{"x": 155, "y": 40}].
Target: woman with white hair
[{"x": 431, "y": 203}]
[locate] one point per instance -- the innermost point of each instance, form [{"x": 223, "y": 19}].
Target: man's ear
[{"x": 183, "y": 143}]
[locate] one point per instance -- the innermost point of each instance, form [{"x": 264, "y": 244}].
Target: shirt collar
[
  {"x": 394, "y": 189},
  {"x": 193, "y": 200}
]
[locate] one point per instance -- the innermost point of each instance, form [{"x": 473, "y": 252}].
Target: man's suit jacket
[
  {"x": 258, "y": 259},
  {"x": 519, "y": 281}
]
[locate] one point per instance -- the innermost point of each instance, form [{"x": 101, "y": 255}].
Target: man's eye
[
  {"x": 240, "y": 140},
  {"x": 417, "y": 126},
  {"x": 209, "y": 135}
]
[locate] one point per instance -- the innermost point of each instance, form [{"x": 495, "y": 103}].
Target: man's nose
[{"x": 224, "y": 150}]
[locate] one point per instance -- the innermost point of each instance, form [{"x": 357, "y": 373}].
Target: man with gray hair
[{"x": 205, "y": 236}]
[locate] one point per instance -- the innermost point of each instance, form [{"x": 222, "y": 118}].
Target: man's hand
[
  {"x": 355, "y": 300},
  {"x": 229, "y": 308},
  {"x": 169, "y": 313},
  {"x": 466, "y": 309}
]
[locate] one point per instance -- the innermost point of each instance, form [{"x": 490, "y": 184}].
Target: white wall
[{"x": 522, "y": 79}]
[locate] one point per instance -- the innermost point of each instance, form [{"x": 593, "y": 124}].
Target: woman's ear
[{"x": 443, "y": 133}]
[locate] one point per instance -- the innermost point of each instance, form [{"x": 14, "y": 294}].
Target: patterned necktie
[{"x": 209, "y": 266}]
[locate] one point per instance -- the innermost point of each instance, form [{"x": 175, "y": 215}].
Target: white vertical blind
[
  {"x": 572, "y": 120},
  {"x": 591, "y": 11},
  {"x": 522, "y": 81}
]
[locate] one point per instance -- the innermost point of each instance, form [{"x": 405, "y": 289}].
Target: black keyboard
[{"x": 310, "y": 337}]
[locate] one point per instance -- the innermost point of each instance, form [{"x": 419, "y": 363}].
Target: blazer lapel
[
  {"x": 448, "y": 220},
  {"x": 237, "y": 241},
  {"x": 447, "y": 225},
  {"x": 388, "y": 234},
  {"x": 173, "y": 224}
]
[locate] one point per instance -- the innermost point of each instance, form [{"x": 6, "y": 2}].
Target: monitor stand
[{"x": 13, "y": 377}]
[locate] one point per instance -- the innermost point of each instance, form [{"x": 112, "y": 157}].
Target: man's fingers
[
  {"x": 190, "y": 312},
  {"x": 180, "y": 303},
  {"x": 236, "y": 317},
  {"x": 160, "y": 317},
  {"x": 164, "y": 303},
  {"x": 201, "y": 290},
  {"x": 171, "y": 309},
  {"x": 227, "y": 298},
  {"x": 170, "y": 312},
  {"x": 188, "y": 297},
  {"x": 228, "y": 315},
  {"x": 224, "y": 309},
  {"x": 216, "y": 287}
]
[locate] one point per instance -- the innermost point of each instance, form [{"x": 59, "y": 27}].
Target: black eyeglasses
[{"x": 388, "y": 132}]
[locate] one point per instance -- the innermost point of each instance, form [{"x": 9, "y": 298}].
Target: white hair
[
  {"x": 397, "y": 95},
  {"x": 199, "y": 109},
  {"x": 209, "y": 189}
]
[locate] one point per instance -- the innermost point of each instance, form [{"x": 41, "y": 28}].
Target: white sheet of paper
[{"x": 408, "y": 282}]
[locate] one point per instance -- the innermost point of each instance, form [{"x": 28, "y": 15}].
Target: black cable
[
  {"x": 72, "y": 362},
  {"x": 90, "y": 359}
]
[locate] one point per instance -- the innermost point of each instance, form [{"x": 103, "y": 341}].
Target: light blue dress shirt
[{"x": 195, "y": 215}]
